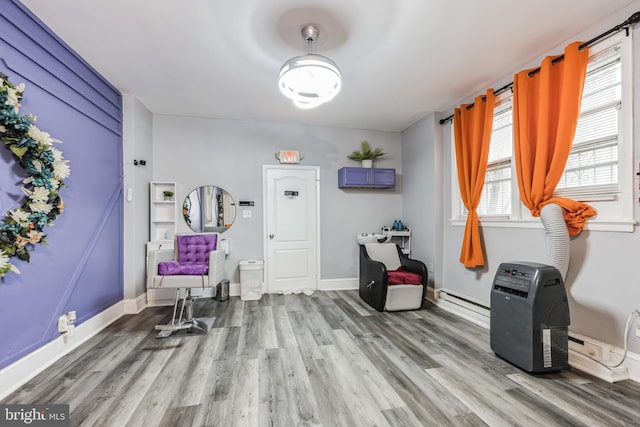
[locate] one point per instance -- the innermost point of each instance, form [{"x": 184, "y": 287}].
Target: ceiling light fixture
[{"x": 310, "y": 80}]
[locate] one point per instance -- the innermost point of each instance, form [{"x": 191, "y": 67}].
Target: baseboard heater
[
  {"x": 576, "y": 340},
  {"x": 464, "y": 306},
  {"x": 457, "y": 298}
]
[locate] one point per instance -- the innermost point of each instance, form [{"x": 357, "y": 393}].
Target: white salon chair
[{"x": 197, "y": 261}]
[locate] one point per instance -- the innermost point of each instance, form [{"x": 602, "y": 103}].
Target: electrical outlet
[
  {"x": 430, "y": 267},
  {"x": 66, "y": 323},
  {"x": 63, "y": 323}
]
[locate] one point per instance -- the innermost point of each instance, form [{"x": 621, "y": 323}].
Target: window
[
  {"x": 598, "y": 170},
  {"x": 496, "y": 193},
  {"x": 592, "y": 167}
]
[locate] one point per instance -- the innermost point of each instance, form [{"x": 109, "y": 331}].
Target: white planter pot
[{"x": 368, "y": 163}]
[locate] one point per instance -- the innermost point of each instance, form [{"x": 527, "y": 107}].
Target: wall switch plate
[{"x": 246, "y": 213}]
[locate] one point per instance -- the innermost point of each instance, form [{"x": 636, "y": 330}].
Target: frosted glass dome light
[{"x": 310, "y": 80}]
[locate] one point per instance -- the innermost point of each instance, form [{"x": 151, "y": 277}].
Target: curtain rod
[{"x": 624, "y": 26}]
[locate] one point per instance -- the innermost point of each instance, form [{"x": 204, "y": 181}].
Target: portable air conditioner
[{"x": 530, "y": 317}]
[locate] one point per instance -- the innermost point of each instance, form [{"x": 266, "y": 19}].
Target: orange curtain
[
  {"x": 472, "y": 131},
  {"x": 546, "y": 106}
]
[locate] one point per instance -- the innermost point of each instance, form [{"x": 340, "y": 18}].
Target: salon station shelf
[
  {"x": 162, "y": 211},
  {"x": 350, "y": 177},
  {"x": 403, "y": 239}
]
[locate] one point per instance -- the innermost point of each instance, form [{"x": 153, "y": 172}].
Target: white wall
[
  {"x": 602, "y": 286},
  {"x": 231, "y": 153},
  {"x": 422, "y": 201},
  {"x": 137, "y": 144}
]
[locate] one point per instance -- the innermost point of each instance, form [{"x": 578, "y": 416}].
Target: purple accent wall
[{"x": 81, "y": 268}]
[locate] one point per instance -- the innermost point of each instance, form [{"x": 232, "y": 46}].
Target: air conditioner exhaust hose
[{"x": 557, "y": 237}]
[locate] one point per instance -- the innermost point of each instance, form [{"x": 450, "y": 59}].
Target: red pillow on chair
[{"x": 403, "y": 277}]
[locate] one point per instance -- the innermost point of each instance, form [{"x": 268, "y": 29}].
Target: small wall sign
[{"x": 289, "y": 156}]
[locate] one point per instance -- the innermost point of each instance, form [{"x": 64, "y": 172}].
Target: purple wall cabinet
[
  {"x": 81, "y": 268},
  {"x": 366, "y": 178}
]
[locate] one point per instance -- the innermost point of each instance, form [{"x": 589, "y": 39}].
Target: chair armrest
[
  {"x": 155, "y": 257},
  {"x": 372, "y": 270},
  {"x": 373, "y": 280},
  {"x": 415, "y": 266},
  {"x": 217, "y": 271}
]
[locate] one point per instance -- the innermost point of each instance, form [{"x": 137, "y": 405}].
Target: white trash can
[{"x": 251, "y": 272}]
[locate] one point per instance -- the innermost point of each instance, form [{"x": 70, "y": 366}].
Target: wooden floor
[{"x": 326, "y": 359}]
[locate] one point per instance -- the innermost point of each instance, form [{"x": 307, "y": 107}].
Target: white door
[{"x": 291, "y": 228}]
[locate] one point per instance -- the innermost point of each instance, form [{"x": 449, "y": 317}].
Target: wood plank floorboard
[{"x": 322, "y": 360}]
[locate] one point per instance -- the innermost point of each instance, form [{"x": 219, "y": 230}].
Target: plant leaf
[{"x": 18, "y": 151}]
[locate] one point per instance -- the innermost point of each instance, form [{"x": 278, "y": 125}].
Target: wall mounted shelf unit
[
  {"x": 162, "y": 212},
  {"x": 350, "y": 177},
  {"x": 402, "y": 239}
]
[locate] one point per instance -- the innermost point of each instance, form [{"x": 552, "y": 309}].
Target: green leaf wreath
[{"x": 33, "y": 150}]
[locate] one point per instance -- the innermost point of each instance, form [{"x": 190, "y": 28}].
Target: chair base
[
  {"x": 183, "y": 318},
  {"x": 201, "y": 324}
]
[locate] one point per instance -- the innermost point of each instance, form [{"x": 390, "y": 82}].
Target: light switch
[{"x": 246, "y": 213}]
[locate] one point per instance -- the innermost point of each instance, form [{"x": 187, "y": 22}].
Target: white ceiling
[{"x": 400, "y": 59}]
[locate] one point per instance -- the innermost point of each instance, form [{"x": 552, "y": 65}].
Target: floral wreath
[{"x": 33, "y": 150}]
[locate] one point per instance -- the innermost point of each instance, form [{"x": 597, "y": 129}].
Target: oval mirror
[{"x": 209, "y": 209}]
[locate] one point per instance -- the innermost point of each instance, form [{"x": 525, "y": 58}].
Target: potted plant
[
  {"x": 167, "y": 195},
  {"x": 366, "y": 155}
]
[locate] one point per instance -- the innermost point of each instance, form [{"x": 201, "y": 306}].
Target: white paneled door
[{"x": 291, "y": 228}]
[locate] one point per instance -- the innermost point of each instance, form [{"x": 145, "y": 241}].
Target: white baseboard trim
[
  {"x": 19, "y": 372},
  {"x": 323, "y": 285},
  {"x": 135, "y": 306},
  {"x": 430, "y": 295},
  {"x": 164, "y": 297},
  {"x": 338, "y": 284},
  {"x": 234, "y": 289},
  {"x": 607, "y": 354},
  {"x": 160, "y": 297},
  {"x": 475, "y": 312},
  {"x": 583, "y": 363},
  {"x": 633, "y": 365}
]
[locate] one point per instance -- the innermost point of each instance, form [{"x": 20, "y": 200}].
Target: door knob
[{"x": 271, "y": 236}]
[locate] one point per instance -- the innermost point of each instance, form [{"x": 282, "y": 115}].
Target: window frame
[{"x": 615, "y": 212}]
